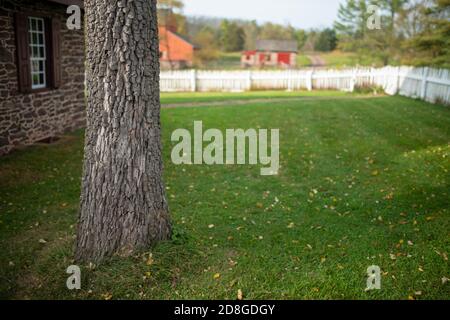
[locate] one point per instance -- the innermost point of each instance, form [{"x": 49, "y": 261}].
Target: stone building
[{"x": 41, "y": 72}]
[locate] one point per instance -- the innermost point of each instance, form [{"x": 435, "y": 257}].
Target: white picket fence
[{"x": 428, "y": 84}]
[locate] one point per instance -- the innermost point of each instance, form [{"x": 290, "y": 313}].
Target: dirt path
[
  {"x": 317, "y": 61},
  {"x": 221, "y": 103}
]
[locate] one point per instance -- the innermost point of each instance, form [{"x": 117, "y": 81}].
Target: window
[
  {"x": 36, "y": 37},
  {"x": 38, "y": 44}
]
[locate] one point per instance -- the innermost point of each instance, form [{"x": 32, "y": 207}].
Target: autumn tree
[
  {"x": 431, "y": 46},
  {"x": 123, "y": 206}
]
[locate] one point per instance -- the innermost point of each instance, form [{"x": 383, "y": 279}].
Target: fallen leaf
[
  {"x": 150, "y": 259},
  {"x": 106, "y": 296},
  {"x": 216, "y": 276},
  {"x": 239, "y": 294}
]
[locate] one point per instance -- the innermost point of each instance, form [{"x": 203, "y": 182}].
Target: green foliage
[
  {"x": 208, "y": 50},
  {"x": 326, "y": 41},
  {"x": 232, "y": 36},
  {"x": 431, "y": 47},
  {"x": 412, "y": 32}
]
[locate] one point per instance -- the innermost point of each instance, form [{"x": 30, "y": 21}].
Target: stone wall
[{"x": 28, "y": 118}]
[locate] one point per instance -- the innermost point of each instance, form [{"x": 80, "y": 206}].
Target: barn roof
[{"x": 277, "y": 45}]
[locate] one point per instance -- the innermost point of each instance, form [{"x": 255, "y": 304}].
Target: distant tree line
[{"x": 411, "y": 32}]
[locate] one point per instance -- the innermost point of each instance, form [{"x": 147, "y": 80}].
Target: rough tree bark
[{"x": 123, "y": 206}]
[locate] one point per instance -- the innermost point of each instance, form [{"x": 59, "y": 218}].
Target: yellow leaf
[
  {"x": 150, "y": 259},
  {"x": 239, "y": 294},
  {"x": 216, "y": 276}
]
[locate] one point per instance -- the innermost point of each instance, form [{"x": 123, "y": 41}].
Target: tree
[
  {"x": 123, "y": 206},
  {"x": 326, "y": 41},
  {"x": 301, "y": 36},
  {"x": 432, "y": 45},
  {"x": 208, "y": 51},
  {"x": 352, "y": 19},
  {"x": 169, "y": 15},
  {"x": 251, "y": 31},
  {"x": 270, "y": 31},
  {"x": 232, "y": 36}
]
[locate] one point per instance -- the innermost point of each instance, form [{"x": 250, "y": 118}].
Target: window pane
[
  {"x": 41, "y": 78},
  {"x": 41, "y": 38},
  {"x": 35, "y": 78},
  {"x": 34, "y": 66}
]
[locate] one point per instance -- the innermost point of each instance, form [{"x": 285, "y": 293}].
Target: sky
[{"x": 299, "y": 13}]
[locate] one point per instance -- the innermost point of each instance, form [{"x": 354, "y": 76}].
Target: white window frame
[{"x": 38, "y": 45}]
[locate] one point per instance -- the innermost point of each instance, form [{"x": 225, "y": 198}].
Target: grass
[
  {"x": 303, "y": 61},
  {"x": 362, "y": 182},
  {"x": 225, "y": 61},
  {"x": 204, "y": 97},
  {"x": 339, "y": 59}
]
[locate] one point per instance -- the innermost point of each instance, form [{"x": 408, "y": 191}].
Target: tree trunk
[{"x": 123, "y": 206}]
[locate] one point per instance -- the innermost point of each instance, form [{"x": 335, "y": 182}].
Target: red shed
[{"x": 271, "y": 53}]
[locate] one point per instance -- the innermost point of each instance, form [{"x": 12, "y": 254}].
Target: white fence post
[
  {"x": 289, "y": 80},
  {"x": 249, "y": 80},
  {"x": 397, "y": 80},
  {"x": 423, "y": 90},
  {"x": 353, "y": 80},
  {"x": 193, "y": 80},
  {"x": 309, "y": 81}
]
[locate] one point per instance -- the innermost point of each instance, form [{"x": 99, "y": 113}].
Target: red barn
[
  {"x": 175, "y": 52},
  {"x": 271, "y": 53}
]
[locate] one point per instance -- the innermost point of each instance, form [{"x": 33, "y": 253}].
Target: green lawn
[
  {"x": 339, "y": 59},
  {"x": 303, "y": 61},
  {"x": 225, "y": 61},
  {"x": 193, "y": 97},
  {"x": 362, "y": 182}
]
